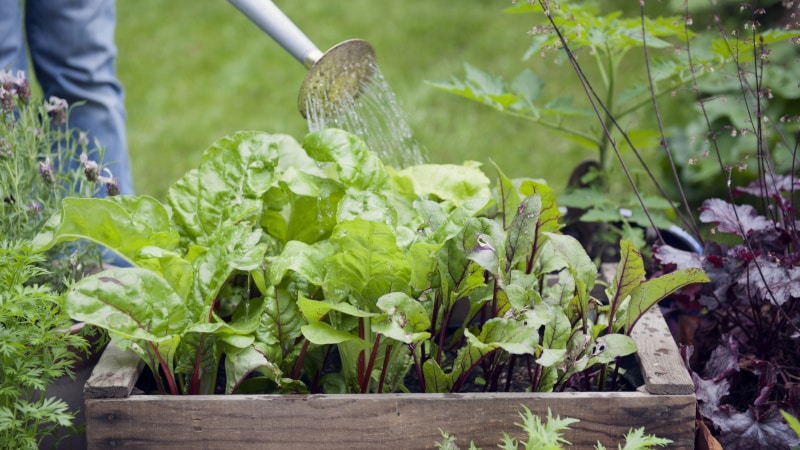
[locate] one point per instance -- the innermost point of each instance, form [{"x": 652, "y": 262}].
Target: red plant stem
[
  {"x": 537, "y": 374},
  {"x": 463, "y": 378},
  {"x": 173, "y": 388},
  {"x": 417, "y": 366},
  {"x": 368, "y": 373},
  {"x": 194, "y": 386},
  {"x": 299, "y": 364},
  {"x": 442, "y": 334},
  {"x": 510, "y": 372},
  {"x": 385, "y": 367},
  {"x": 360, "y": 368}
]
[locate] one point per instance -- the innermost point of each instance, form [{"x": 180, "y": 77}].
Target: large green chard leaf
[
  {"x": 124, "y": 224},
  {"x": 347, "y": 158},
  {"x": 134, "y": 305},
  {"x": 280, "y": 326},
  {"x": 233, "y": 247},
  {"x": 131, "y": 302},
  {"x": 233, "y": 175},
  {"x": 306, "y": 260},
  {"x": 465, "y": 186},
  {"x": 366, "y": 264},
  {"x": 366, "y": 205}
]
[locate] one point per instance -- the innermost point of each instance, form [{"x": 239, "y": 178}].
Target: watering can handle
[{"x": 280, "y": 28}]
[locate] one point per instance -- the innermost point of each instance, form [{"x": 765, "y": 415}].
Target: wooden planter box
[{"x": 665, "y": 405}]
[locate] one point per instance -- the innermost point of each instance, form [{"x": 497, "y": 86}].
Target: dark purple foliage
[{"x": 745, "y": 354}]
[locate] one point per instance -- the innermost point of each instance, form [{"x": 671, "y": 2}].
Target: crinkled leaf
[
  {"x": 771, "y": 280},
  {"x": 233, "y": 175},
  {"x": 306, "y": 260},
  {"x": 366, "y": 205},
  {"x": 348, "y": 158},
  {"x": 681, "y": 259},
  {"x": 232, "y": 247},
  {"x": 466, "y": 185},
  {"x": 367, "y": 262},
  {"x": 747, "y": 430},
  {"x": 728, "y": 217}
]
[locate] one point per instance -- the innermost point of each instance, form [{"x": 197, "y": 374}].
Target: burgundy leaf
[
  {"x": 724, "y": 360},
  {"x": 777, "y": 280},
  {"x": 725, "y": 216},
  {"x": 779, "y": 183},
  {"x": 709, "y": 394},
  {"x": 745, "y": 430},
  {"x": 667, "y": 255}
]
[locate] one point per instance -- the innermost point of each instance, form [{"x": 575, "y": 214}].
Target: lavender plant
[{"x": 42, "y": 161}]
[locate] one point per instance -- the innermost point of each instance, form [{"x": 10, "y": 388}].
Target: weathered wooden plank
[
  {"x": 392, "y": 421},
  {"x": 659, "y": 357},
  {"x": 114, "y": 375}
]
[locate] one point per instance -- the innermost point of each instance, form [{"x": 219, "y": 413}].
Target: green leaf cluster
[
  {"x": 314, "y": 267},
  {"x": 36, "y": 348},
  {"x": 549, "y": 435}
]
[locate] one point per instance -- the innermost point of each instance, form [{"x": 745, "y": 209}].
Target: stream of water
[{"x": 375, "y": 116}]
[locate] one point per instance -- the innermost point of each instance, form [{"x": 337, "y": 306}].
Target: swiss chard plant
[{"x": 316, "y": 268}]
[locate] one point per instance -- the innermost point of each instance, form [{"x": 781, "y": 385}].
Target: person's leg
[
  {"x": 74, "y": 56},
  {"x": 12, "y": 43}
]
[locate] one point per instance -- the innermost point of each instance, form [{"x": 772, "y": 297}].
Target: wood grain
[
  {"x": 659, "y": 357},
  {"x": 114, "y": 375},
  {"x": 391, "y": 421}
]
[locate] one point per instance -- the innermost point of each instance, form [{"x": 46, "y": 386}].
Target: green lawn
[{"x": 195, "y": 73}]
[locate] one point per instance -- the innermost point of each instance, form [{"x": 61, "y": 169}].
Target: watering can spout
[{"x": 341, "y": 72}]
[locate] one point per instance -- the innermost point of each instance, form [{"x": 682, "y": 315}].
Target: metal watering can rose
[{"x": 339, "y": 74}]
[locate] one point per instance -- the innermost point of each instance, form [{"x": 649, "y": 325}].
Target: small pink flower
[
  {"x": 90, "y": 168},
  {"x": 57, "y": 109},
  {"x": 46, "y": 171},
  {"x": 111, "y": 182}
]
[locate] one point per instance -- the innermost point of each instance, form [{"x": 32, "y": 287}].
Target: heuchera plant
[
  {"x": 747, "y": 347},
  {"x": 316, "y": 268}
]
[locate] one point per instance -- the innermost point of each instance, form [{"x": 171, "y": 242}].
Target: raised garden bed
[{"x": 665, "y": 405}]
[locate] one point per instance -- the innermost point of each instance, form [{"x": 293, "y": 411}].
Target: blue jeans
[{"x": 71, "y": 44}]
